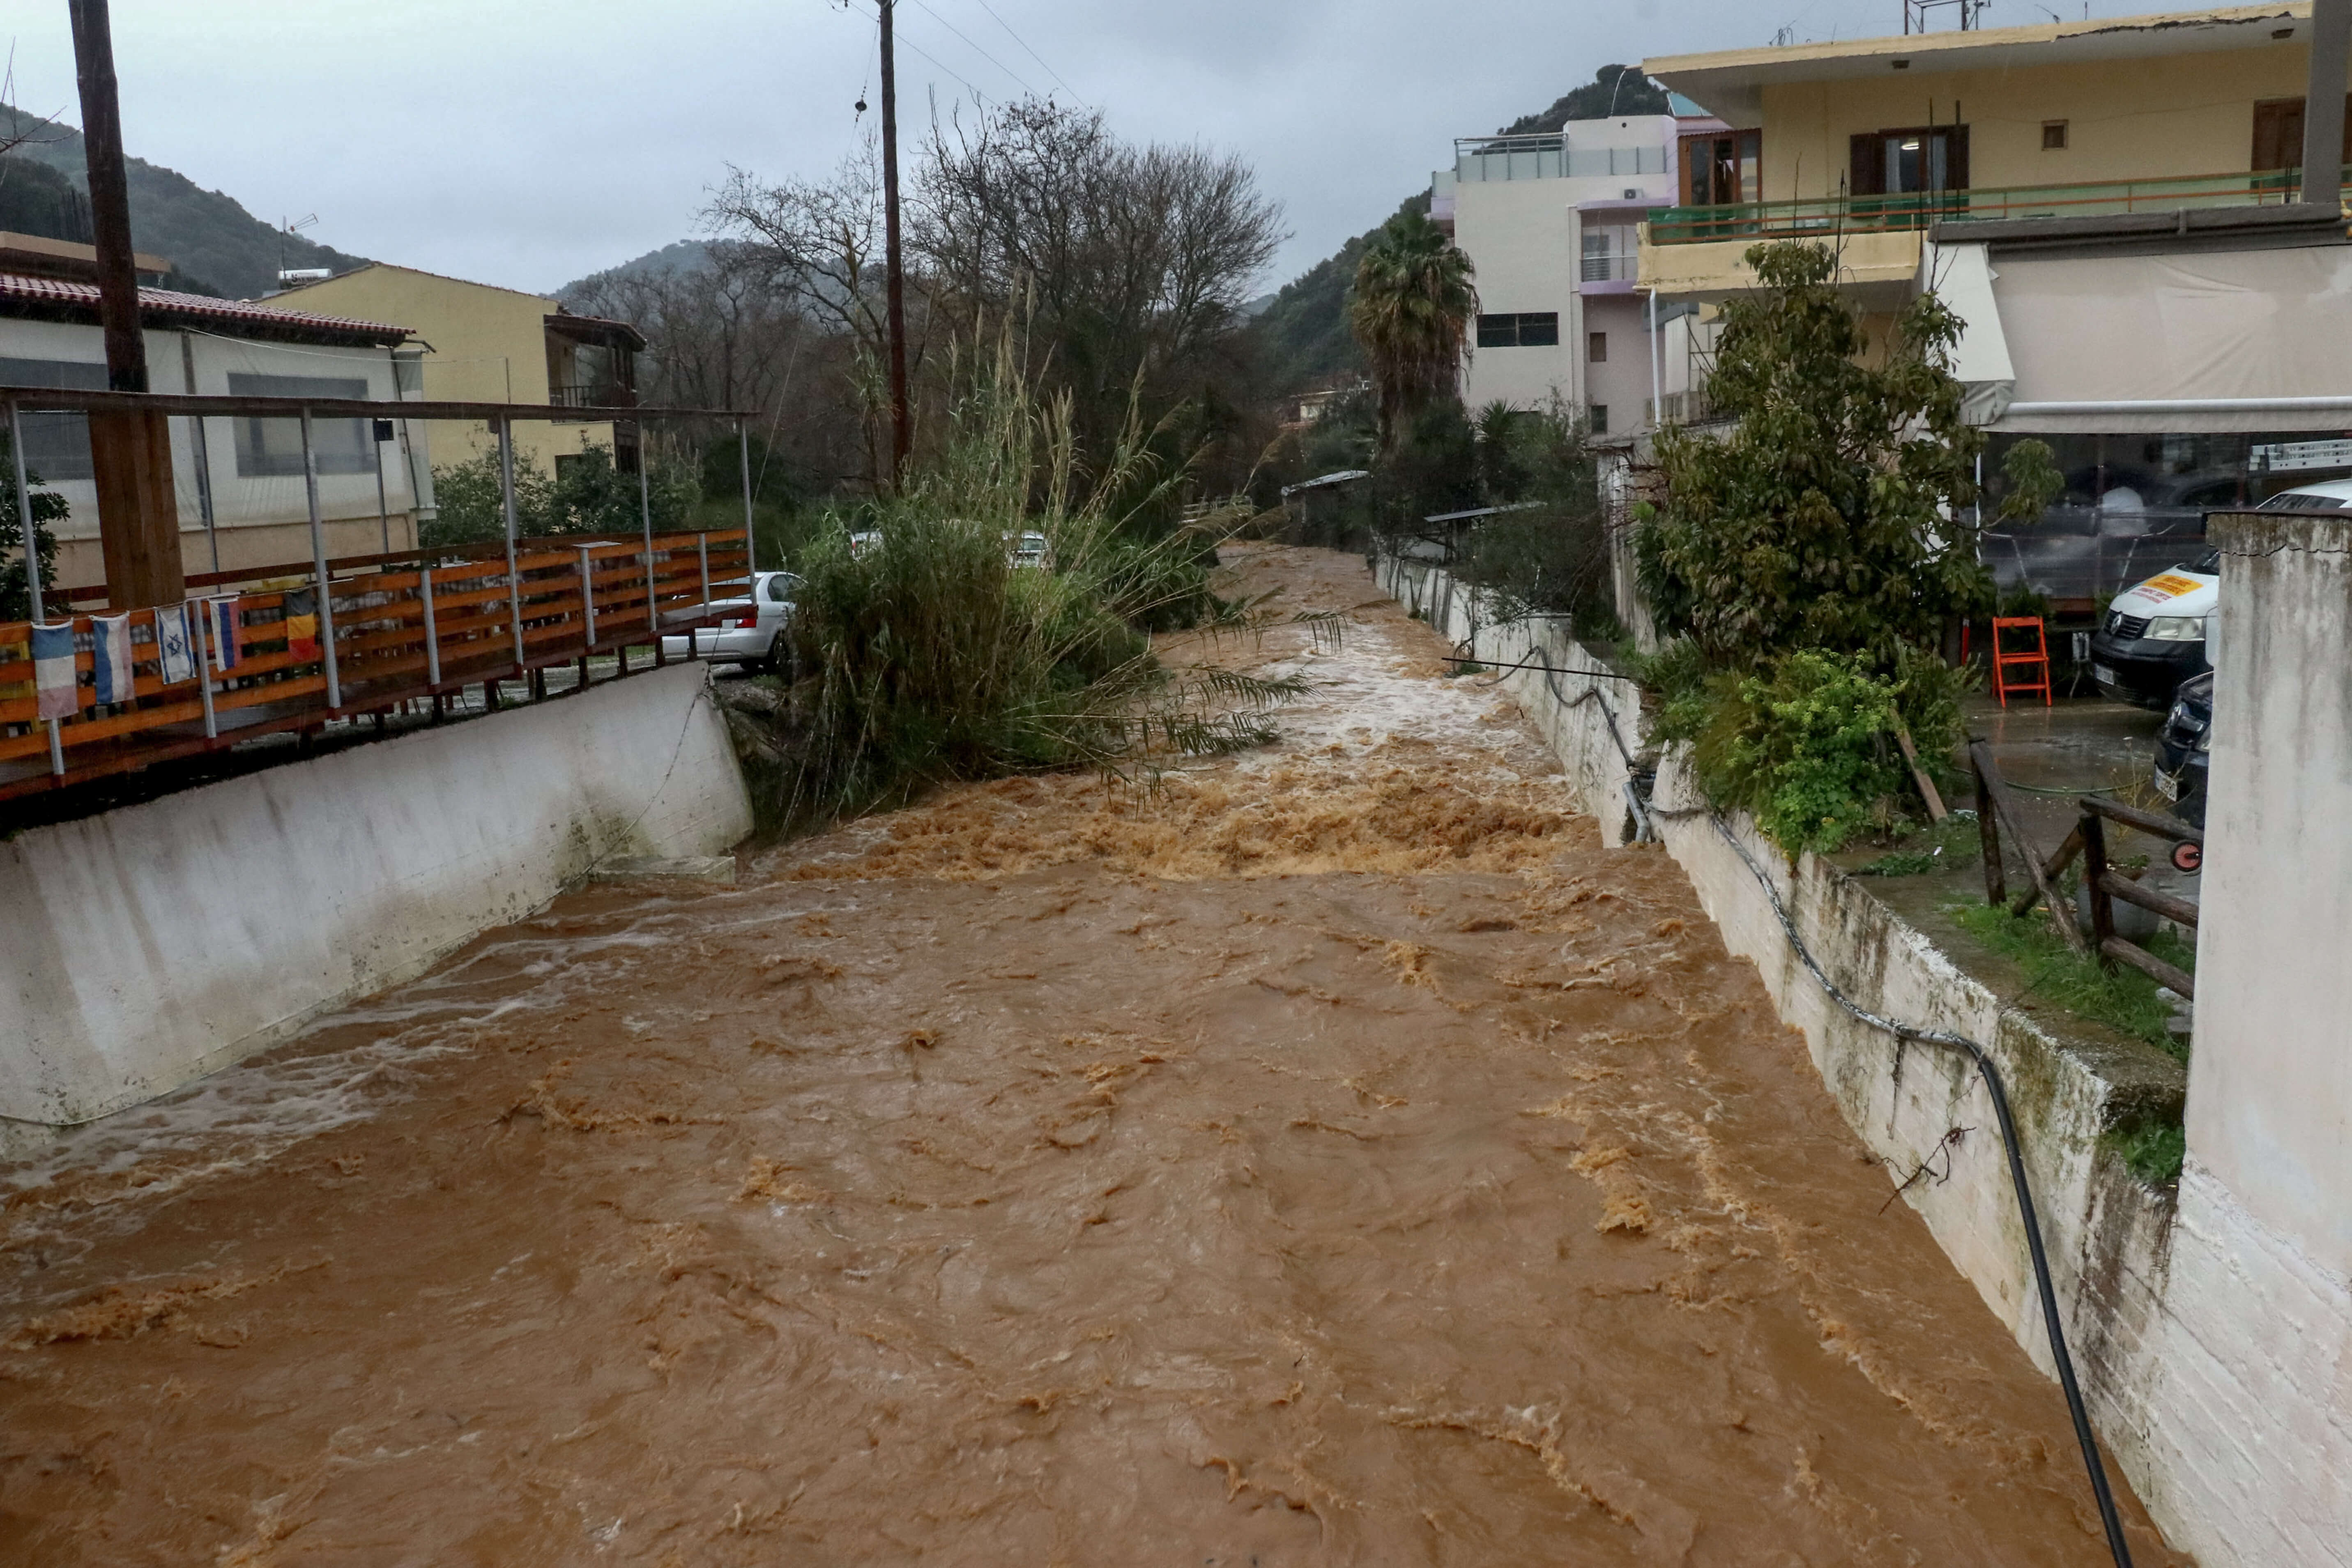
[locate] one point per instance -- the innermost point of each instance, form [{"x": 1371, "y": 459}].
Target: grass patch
[
  {"x": 2154, "y": 1151},
  {"x": 1949, "y": 844},
  {"x": 2123, "y": 999},
  {"x": 1469, "y": 666}
]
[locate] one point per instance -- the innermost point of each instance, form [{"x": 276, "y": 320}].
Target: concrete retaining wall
[
  {"x": 2254, "y": 1409},
  {"x": 149, "y": 945},
  {"x": 2110, "y": 1239}
]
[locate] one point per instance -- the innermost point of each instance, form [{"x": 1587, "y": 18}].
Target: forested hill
[
  {"x": 216, "y": 246},
  {"x": 1304, "y": 330}
]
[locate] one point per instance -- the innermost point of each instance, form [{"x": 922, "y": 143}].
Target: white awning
[
  {"x": 1962, "y": 277},
  {"x": 2185, "y": 342}
]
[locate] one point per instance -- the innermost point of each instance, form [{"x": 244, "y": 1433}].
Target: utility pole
[
  {"x": 138, "y": 508},
  {"x": 894, "y": 260},
  {"x": 2323, "y": 114}
]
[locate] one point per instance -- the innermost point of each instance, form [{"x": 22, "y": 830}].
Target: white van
[{"x": 2155, "y": 634}]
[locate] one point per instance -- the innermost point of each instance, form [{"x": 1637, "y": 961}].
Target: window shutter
[{"x": 1869, "y": 166}]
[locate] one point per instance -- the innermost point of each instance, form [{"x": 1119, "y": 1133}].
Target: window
[
  {"x": 1600, "y": 419},
  {"x": 1529, "y": 329},
  {"x": 2278, "y": 133},
  {"x": 2054, "y": 136},
  {"x": 1596, "y": 347},
  {"x": 267, "y": 447},
  {"x": 56, "y": 446},
  {"x": 1611, "y": 252},
  {"x": 1721, "y": 169},
  {"x": 1901, "y": 162}
]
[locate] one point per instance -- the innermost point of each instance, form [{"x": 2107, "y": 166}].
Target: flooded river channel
[{"x": 1337, "y": 1157}]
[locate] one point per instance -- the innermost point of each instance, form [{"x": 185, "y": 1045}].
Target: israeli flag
[
  {"x": 110, "y": 650},
  {"x": 175, "y": 646},
  {"x": 225, "y": 622},
  {"x": 54, "y": 679}
]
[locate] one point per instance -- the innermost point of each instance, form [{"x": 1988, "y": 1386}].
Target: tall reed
[{"x": 927, "y": 656}]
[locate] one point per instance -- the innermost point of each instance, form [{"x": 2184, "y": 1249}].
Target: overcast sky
[{"x": 528, "y": 142}]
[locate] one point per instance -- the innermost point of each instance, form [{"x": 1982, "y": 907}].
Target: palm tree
[{"x": 1411, "y": 310}]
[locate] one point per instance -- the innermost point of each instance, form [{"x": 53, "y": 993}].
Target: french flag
[{"x": 54, "y": 679}]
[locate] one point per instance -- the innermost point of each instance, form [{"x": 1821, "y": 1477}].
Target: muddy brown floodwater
[{"x": 1337, "y": 1158}]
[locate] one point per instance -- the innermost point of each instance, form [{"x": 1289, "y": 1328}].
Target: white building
[
  {"x": 1550, "y": 220},
  {"x": 242, "y": 501}
]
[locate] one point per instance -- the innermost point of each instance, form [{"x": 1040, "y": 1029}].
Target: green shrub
[
  {"x": 50, "y": 509},
  {"x": 932, "y": 657},
  {"x": 587, "y": 494},
  {"x": 1807, "y": 749}
]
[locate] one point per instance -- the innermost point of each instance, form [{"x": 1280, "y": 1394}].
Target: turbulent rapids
[{"x": 1330, "y": 1155}]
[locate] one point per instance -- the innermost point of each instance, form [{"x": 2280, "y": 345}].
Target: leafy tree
[
  {"x": 588, "y": 495},
  {"x": 1549, "y": 554},
  {"x": 1837, "y": 512},
  {"x": 1813, "y": 553},
  {"x": 50, "y": 509},
  {"x": 1411, "y": 310}
]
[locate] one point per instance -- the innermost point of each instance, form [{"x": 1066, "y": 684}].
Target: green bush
[
  {"x": 587, "y": 495},
  {"x": 932, "y": 657},
  {"x": 1807, "y": 749},
  {"x": 50, "y": 509}
]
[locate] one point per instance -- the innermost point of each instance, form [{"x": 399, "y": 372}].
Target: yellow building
[
  {"x": 487, "y": 344},
  {"x": 1886, "y": 136}
]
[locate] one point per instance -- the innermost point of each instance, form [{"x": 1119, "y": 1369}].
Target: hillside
[
  {"x": 215, "y": 245},
  {"x": 680, "y": 256}
]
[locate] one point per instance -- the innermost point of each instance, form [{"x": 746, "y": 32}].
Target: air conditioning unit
[{"x": 305, "y": 274}]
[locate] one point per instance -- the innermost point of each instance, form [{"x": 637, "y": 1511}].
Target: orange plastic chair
[{"x": 2004, "y": 659}]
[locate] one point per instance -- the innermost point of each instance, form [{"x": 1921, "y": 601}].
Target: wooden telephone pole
[
  {"x": 138, "y": 511},
  {"x": 893, "y": 260}
]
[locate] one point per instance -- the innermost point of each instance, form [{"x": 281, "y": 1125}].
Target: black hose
[
  {"x": 2092, "y": 1462},
  {"x": 1991, "y": 1076}
]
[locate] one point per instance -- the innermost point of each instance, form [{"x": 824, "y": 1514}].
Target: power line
[
  {"x": 975, "y": 48},
  {"x": 1033, "y": 54},
  {"x": 927, "y": 54}
]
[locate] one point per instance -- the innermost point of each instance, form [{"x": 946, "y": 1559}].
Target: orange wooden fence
[{"x": 393, "y": 629}]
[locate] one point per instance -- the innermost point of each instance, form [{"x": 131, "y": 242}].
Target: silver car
[{"x": 752, "y": 632}]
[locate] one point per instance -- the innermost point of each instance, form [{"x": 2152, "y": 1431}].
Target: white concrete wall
[
  {"x": 2256, "y": 1405},
  {"x": 2110, "y": 1240},
  {"x": 151, "y": 944}
]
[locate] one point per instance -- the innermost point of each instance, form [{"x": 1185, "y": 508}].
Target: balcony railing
[
  {"x": 593, "y": 395},
  {"x": 1822, "y": 216},
  {"x": 263, "y": 651}
]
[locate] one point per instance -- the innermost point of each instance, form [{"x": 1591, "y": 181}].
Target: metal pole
[
  {"x": 202, "y": 448},
  {"x": 383, "y": 507},
  {"x": 507, "y": 499},
  {"x": 743, "y": 450},
  {"x": 432, "y": 630},
  {"x": 588, "y": 597},
  {"x": 894, "y": 260},
  {"x": 25, "y": 513},
  {"x": 204, "y": 669},
  {"x": 2323, "y": 113},
  {"x": 318, "y": 563},
  {"x": 1657, "y": 372},
  {"x": 694, "y": 633},
  {"x": 645, "y": 514}
]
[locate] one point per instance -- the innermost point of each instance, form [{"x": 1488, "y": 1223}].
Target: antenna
[
  {"x": 287, "y": 229},
  {"x": 1915, "y": 14}
]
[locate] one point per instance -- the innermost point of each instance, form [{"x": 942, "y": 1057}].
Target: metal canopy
[{"x": 62, "y": 400}]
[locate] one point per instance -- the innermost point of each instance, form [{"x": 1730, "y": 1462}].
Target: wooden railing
[
  {"x": 1997, "y": 811},
  {"x": 265, "y": 651}
]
